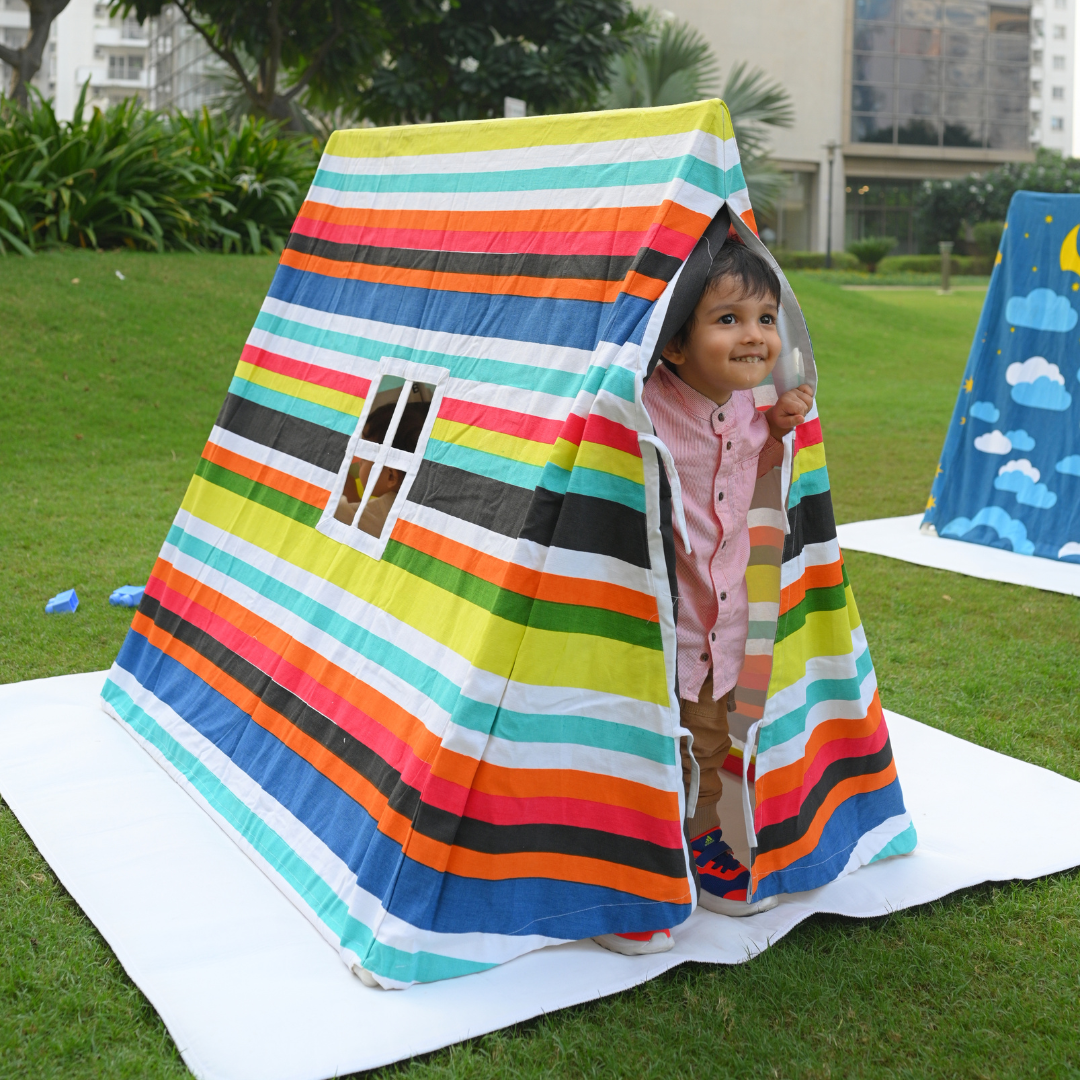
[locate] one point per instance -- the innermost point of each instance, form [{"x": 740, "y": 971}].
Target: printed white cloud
[
  {"x": 1034, "y": 367},
  {"x": 1021, "y": 465},
  {"x": 993, "y": 442},
  {"x": 1071, "y": 548}
]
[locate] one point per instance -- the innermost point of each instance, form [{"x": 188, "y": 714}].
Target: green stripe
[
  {"x": 331, "y": 910},
  {"x": 475, "y": 369},
  {"x": 811, "y": 483},
  {"x": 827, "y": 598},
  {"x": 523, "y": 610},
  {"x": 266, "y": 496},
  {"x": 557, "y": 177},
  {"x": 293, "y": 406}
]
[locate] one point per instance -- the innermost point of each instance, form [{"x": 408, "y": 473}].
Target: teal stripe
[
  {"x": 811, "y": 483},
  {"x": 793, "y": 723},
  {"x": 616, "y": 380},
  {"x": 605, "y": 485},
  {"x": 493, "y": 466},
  {"x": 293, "y": 406},
  {"x": 757, "y": 630},
  {"x": 584, "y": 731},
  {"x": 332, "y": 911},
  {"x": 475, "y": 369},
  {"x": 555, "y": 478},
  {"x": 557, "y": 177},
  {"x": 903, "y": 844}
]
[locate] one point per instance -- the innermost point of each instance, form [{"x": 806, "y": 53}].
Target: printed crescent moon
[{"x": 1070, "y": 257}]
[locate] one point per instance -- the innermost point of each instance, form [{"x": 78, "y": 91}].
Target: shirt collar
[{"x": 693, "y": 402}]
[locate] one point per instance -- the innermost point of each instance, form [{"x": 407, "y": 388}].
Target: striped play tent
[{"x": 456, "y": 741}]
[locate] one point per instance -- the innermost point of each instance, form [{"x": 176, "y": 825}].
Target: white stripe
[{"x": 276, "y": 459}]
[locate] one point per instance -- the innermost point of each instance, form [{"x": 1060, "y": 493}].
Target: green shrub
[
  {"x": 127, "y": 176},
  {"x": 814, "y": 260},
  {"x": 871, "y": 250},
  {"x": 988, "y": 237}
]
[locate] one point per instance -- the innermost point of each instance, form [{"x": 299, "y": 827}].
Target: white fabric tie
[
  {"x": 748, "y": 812},
  {"x": 673, "y": 480}
]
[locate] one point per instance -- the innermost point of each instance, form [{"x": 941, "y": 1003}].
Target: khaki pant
[{"x": 707, "y": 721}]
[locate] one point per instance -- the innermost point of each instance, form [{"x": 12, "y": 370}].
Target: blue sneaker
[{"x": 724, "y": 880}]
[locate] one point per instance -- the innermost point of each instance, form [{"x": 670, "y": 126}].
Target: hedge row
[
  {"x": 130, "y": 177},
  {"x": 892, "y": 264}
]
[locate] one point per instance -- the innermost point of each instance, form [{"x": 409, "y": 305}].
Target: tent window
[{"x": 384, "y": 455}]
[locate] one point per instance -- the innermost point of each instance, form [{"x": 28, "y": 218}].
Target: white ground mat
[
  {"x": 248, "y": 989},
  {"x": 899, "y": 538}
]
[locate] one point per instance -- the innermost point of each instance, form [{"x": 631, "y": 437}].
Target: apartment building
[{"x": 895, "y": 92}]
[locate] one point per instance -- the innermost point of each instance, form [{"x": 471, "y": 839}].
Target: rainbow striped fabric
[{"x": 458, "y": 742}]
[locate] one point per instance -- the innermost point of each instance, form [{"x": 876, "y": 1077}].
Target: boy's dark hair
[
  {"x": 747, "y": 267},
  {"x": 408, "y": 432}
]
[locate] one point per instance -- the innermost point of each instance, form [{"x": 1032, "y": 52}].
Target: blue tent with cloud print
[{"x": 1009, "y": 474}]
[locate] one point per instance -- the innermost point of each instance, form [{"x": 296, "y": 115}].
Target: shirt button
[
  {"x": 720, "y": 497},
  {"x": 704, "y": 656},
  {"x": 729, "y": 444},
  {"x": 714, "y": 635},
  {"x": 720, "y": 418},
  {"x": 723, "y": 596}
]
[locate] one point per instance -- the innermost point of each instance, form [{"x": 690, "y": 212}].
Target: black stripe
[
  {"x": 301, "y": 439},
  {"x": 428, "y": 820},
  {"x": 586, "y": 523},
  {"x": 655, "y": 264},
  {"x": 791, "y": 829},
  {"x": 810, "y": 522},
  {"x": 491, "y": 504},
  {"x": 495, "y": 264}
]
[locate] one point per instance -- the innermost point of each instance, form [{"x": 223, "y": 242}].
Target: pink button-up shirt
[{"x": 719, "y": 451}]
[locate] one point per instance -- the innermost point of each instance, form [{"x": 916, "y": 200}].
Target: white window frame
[{"x": 385, "y": 454}]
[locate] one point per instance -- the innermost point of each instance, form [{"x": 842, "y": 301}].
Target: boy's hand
[{"x": 790, "y": 410}]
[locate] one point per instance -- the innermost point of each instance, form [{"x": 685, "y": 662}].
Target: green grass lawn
[{"x": 109, "y": 388}]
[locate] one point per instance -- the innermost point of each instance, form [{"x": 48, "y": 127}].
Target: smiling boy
[{"x": 701, "y": 403}]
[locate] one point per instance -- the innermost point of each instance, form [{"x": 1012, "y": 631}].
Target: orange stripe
[
  {"x": 516, "y": 285},
  {"x": 531, "y": 583},
  {"x": 769, "y": 861},
  {"x": 602, "y": 219},
  {"x": 813, "y": 577},
  {"x": 264, "y": 474},
  {"x": 766, "y": 536}
]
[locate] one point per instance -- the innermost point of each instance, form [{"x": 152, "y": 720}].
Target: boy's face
[{"x": 733, "y": 345}]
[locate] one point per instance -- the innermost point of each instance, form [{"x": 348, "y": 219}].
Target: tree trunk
[{"x": 26, "y": 62}]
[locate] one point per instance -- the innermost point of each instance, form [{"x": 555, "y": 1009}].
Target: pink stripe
[
  {"x": 305, "y": 372},
  {"x": 521, "y": 425},
  {"x": 583, "y": 813},
  {"x": 668, "y": 241},
  {"x": 808, "y": 434},
  {"x": 604, "y": 432},
  {"x": 782, "y": 807},
  {"x": 512, "y": 243}
]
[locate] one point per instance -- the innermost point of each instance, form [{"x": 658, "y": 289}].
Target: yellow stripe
[
  {"x": 286, "y": 384},
  {"x": 807, "y": 460},
  {"x": 553, "y": 658},
  {"x": 562, "y": 130},
  {"x": 608, "y": 459},
  {"x": 564, "y": 454},
  {"x": 492, "y": 442},
  {"x": 486, "y": 641},
  {"x": 825, "y": 633},
  {"x": 763, "y": 584}
]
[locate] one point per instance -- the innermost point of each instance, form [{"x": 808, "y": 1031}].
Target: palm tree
[{"x": 672, "y": 63}]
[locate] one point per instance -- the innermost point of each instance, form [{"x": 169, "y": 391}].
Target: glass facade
[
  {"x": 941, "y": 73},
  {"x": 787, "y": 224},
  {"x": 882, "y": 208}
]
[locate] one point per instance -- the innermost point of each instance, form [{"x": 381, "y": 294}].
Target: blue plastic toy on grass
[
  {"x": 127, "y": 596},
  {"x": 62, "y": 603}
]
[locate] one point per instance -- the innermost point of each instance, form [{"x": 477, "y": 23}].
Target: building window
[
  {"x": 1036, "y": 87},
  {"x": 1061, "y": 5},
  {"x": 384, "y": 454},
  {"x": 1059, "y": 33},
  {"x": 788, "y": 224},
  {"x": 1036, "y": 57},
  {"x": 930, "y": 74},
  {"x": 1059, "y": 63},
  {"x": 1057, "y": 123},
  {"x": 125, "y": 66},
  {"x": 1058, "y": 93},
  {"x": 1037, "y": 27},
  {"x": 882, "y": 208},
  {"x": 1036, "y": 118}
]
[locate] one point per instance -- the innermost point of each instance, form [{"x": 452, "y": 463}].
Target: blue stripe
[
  {"x": 293, "y": 406},
  {"x": 425, "y": 898},
  {"x": 572, "y": 323},
  {"x": 557, "y": 177},
  {"x": 847, "y": 825}
]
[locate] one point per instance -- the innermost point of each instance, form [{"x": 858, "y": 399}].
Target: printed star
[
  {"x": 931, "y": 503},
  {"x": 968, "y": 384},
  {"x": 940, "y": 470}
]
